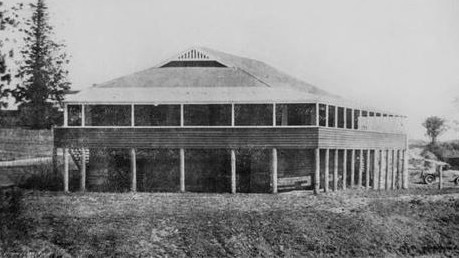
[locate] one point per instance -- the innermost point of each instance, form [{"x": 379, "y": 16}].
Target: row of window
[{"x": 215, "y": 115}]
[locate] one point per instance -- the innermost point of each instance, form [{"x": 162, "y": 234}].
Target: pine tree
[
  {"x": 8, "y": 21},
  {"x": 43, "y": 73}
]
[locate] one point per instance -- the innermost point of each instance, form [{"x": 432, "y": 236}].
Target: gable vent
[{"x": 193, "y": 54}]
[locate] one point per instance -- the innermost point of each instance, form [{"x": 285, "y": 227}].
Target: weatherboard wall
[{"x": 251, "y": 137}]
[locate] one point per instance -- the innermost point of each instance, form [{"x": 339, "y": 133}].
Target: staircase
[{"x": 77, "y": 155}]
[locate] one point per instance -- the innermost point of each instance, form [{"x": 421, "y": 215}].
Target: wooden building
[{"x": 208, "y": 121}]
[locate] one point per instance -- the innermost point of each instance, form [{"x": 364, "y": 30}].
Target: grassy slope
[{"x": 350, "y": 223}]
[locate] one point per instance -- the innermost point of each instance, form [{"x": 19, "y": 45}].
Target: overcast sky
[{"x": 390, "y": 53}]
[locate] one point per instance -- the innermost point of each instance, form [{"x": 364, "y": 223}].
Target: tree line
[{"x": 40, "y": 77}]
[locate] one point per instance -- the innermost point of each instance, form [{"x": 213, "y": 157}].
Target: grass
[{"x": 349, "y": 223}]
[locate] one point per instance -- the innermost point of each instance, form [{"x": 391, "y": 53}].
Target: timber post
[
  {"x": 335, "y": 171},
  {"x": 399, "y": 169},
  {"x": 66, "y": 170},
  {"x": 83, "y": 171},
  {"x": 317, "y": 171},
  {"x": 360, "y": 180},
  {"x": 327, "y": 170},
  {"x": 344, "y": 169},
  {"x": 233, "y": 171},
  {"x": 352, "y": 168},
  {"x": 375, "y": 170},
  {"x": 367, "y": 170},
  {"x": 274, "y": 170},
  {"x": 394, "y": 168},
  {"x": 386, "y": 183},
  {"x": 182, "y": 170},
  {"x": 133, "y": 170},
  {"x": 381, "y": 169}
]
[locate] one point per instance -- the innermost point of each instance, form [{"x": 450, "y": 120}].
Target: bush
[
  {"x": 10, "y": 200},
  {"x": 43, "y": 177},
  {"x": 12, "y": 225},
  {"x": 39, "y": 116}
]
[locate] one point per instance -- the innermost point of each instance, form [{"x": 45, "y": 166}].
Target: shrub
[
  {"x": 39, "y": 116},
  {"x": 43, "y": 177},
  {"x": 13, "y": 227},
  {"x": 10, "y": 200}
]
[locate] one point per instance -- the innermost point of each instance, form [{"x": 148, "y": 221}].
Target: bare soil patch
[{"x": 349, "y": 223}]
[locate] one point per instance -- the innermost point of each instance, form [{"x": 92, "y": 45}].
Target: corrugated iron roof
[
  {"x": 157, "y": 95},
  {"x": 244, "y": 80},
  {"x": 171, "y": 77}
]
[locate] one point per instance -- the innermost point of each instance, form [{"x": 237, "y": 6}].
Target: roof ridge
[
  {"x": 255, "y": 77},
  {"x": 217, "y": 52}
]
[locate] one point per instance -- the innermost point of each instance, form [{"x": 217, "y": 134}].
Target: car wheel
[
  {"x": 456, "y": 180},
  {"x": 429, "y": 179}
]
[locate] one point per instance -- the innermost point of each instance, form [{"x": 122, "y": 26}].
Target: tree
[
  {"x": 435, "y": 126},
  {"x": 43, "y": 73},
  {"x": 8, "y": 21}
]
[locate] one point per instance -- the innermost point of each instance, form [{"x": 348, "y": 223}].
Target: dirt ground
[{"x": 421, "y": 221}]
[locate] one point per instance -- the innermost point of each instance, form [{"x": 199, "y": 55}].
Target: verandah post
[
  {"x": 274, "y": 170},
  {"x": 182, "y": 170},
  {"x": 394, "y": 168},
  {"x": 335, "y": 171},
  {"x": 344, "y": 169},
  {"x": 326, "y": 172},
  {"x": 132, "y": 115},
  {"x": 83, "y": 116},
  {"x": 66, "y": 170},
  {"x": 133, "y": 170},
  {"x": 233, "y": 171},
  {"x": 317, "y": 114},
  {"x": 386, "y": 183},
  {"x": 83, "y": 170},
  {"x": 381, "y": 169},
  {"x": 352, "y": 167},
  {"x": 375, "y": 170},
  {"x": 66, "y": 115},
  {"x": 317, "y": 171},
  {"x": 367, "y": 170},
  {"x": 399, "y": 168},
  {"x": 336, "y": 117},
  {"x": 360, "y": 180}
]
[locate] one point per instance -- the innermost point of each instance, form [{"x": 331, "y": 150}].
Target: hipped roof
[{"x": 242, "y": 80}]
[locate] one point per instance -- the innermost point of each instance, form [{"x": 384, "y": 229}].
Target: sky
[{"x": 397, "y": 54}]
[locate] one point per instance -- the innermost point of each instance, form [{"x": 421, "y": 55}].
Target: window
[
  {"x": 295, "y": 114},
  {"x": 253, "y": 114},
  {"x": 159, "y": 115},
  {"x": 341, "y": 117},
  {"x": 207, "y": 115},
  {"x": 74, "y": 115},
  {"x": 356, "y": 119},
  {"x": 322, "y": 115},
  {"x": 348, "y": 118},
  {"x": 108, "y": 115},
  {"x": 331, "y": 116}
]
